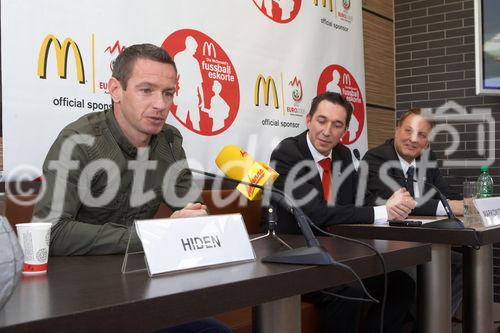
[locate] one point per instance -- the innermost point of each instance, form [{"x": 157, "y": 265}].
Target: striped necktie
[{"x": 409, "y": 180}]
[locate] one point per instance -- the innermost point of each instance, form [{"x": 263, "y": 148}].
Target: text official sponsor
[{"x": 80, "y": 103}]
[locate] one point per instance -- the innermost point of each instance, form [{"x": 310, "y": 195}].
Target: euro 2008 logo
[
  {"x": 207, "y": 96},
  {"x": 280, "y": 11}
]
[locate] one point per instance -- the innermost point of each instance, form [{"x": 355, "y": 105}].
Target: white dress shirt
[
  {"x": 379, "y": 212},
  {"x": 416, "y": 189}
]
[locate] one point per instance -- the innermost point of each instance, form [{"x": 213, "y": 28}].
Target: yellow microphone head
[
  {"x": 234, "y": 162},
  {"x": 257, "y": 174},
  {"x": 274, "y": 174}
]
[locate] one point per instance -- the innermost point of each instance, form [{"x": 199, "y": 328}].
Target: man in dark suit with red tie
[
  {"x": 302, "y": 160},
  {"x": 317, "y": 173}
]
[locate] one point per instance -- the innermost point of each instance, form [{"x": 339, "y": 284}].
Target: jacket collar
[{"x": 121, "y": 139}]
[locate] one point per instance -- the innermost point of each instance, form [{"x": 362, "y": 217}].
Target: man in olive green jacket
[{"x": 109, "y": 168}]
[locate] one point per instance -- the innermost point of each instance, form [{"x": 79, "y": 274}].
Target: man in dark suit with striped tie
[
  {"x": 406, "y": 161},
  {"x": 409, "y": 163}
]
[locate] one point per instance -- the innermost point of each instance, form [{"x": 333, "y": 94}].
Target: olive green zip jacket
[{"x": 96, "y": 184}]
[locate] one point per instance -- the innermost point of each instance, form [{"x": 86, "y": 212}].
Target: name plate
[
  {"x": 489, "y": 209},
  {"x": 187, "y": 243}
]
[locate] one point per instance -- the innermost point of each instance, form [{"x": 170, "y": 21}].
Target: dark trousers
[
  {"x": 345, "y": 316},
  {"x": 208, "y": 325}
]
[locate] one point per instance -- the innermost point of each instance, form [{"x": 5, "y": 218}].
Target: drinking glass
[{"x": 470, "y": 192}]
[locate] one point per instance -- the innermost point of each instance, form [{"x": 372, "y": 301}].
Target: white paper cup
[{"x": 34, "y": 239}]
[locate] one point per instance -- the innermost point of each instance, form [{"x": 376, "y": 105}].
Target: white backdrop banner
[{"x": 248, "y": 69}]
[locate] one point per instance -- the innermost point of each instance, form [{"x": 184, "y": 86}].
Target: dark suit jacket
[
  {"x": 294, "y": 150},
  {"x": 386, "y": 152}
]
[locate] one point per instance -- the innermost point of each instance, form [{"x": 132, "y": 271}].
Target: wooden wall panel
[
  {"x": 381, "y": 124},
  {"x": 379, "y": 60},
  {"x": 378, "y": 32},
  {"x": 383, "y": 8}
]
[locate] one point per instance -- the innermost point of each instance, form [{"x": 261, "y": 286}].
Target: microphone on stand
[
  {"x": 355, "y": 151},
  {"x": 237, "y": 164},
  {"x": 357, "y": 159},
  {"x": 169, "y": 135},
  {"x": 452, "y": 222},
  {"x": 313, "y": 253}
]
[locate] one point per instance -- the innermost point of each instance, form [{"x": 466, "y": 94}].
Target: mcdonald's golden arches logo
[
  {"x": 267, "y": 84},
  {"x": 324, "y": 3},
  {"x": 346, "y": 79},
  {"x": 209, "y": 49},
  {"x": 61, "y": 52}
]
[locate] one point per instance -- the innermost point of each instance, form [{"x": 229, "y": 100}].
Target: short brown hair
[
  {"x": 418, "y": 112},
  {"x": 122, "y": 67},
  {"x": 334, "y": 98}
]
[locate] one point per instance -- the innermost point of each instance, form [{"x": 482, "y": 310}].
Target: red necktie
[{"x": 326, "y": 164}]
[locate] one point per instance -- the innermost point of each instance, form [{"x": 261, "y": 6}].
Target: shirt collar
[
  {"x": 405, "y": 165},
  {"x": 317, "y": 156}
]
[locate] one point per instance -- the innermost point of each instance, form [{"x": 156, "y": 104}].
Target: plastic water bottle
[{"x": 484, "y": 184}]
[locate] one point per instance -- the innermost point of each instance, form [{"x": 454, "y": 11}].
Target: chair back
[{"x": 18, "y": 208}]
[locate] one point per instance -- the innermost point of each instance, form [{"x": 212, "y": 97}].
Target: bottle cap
[{"x": 484, "y": 168}]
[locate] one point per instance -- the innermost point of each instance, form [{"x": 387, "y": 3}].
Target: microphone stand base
[
  {"x": 450, "y": 223},
  {"x": 272, "y": 233},
  {"x": 314, "y": 255}
]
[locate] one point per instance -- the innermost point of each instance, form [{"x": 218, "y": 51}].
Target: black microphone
[
  {"x": 313, "y": 254},
  {"x": 303, "y": 220},
  {"x": 452, "y": 222},
  {"x": 169, "y": 136},
  {"x": 356, "y": 154},
  {"x": 280, "y": 198}
]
